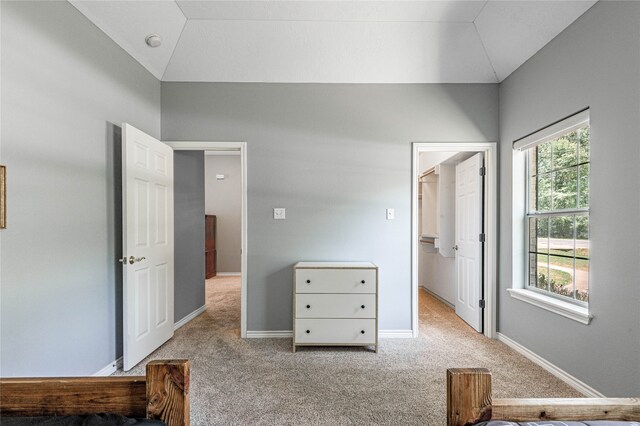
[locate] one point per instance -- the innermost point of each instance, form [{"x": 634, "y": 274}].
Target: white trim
[
  {"x": 228, "y": 274},
  {"x": 222, "y": 153},
  {"x": 395, "y": 334},
  {"x": 230, "y": 146},
  {"x": 552, "y": 131},
  {"x": 244, "y": 243},
  {"x": 206, "y": 145},
  {"x": 109, "y": 369},
  {"x": 444, "y": 302},
  {"x": 552, "y": 304},
  {"x": 490, "y": 225},
  {"x": 269, "y": 334},
  {"x": 575, "y": 383},
  {"x": 189, "y": 317}
]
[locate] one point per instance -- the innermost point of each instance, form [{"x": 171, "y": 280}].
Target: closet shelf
[{"x": 438, "y": 200}]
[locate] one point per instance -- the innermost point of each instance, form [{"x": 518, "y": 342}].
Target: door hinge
[
  {"x": 481, "y": 303},
  {"x": 481, "y": 237},
  {"x": 483, "y": 171}
]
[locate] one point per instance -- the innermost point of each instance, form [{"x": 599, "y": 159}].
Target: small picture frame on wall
[{"x": 3, "y": 197}]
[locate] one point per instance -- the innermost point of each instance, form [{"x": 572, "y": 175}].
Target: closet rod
[{"x": 428, "y": 172}]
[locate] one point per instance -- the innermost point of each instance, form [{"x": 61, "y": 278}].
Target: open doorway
[
  {"x": 230, "y": 266},
  {"x": 454, "y": 230},
  {"x": 223, "y": 236}
]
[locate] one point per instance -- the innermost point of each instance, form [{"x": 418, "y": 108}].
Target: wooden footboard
[
  {"x": 163, "y": 394},
  {"x": 469, "y": 402}
]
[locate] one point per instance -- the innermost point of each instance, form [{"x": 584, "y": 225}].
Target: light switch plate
[
  {"x": 279, "y": 213},
  {"x": 391, "y": 214}
]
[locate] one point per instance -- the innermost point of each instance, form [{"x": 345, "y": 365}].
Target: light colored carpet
[{"x": 261, "y": 382}]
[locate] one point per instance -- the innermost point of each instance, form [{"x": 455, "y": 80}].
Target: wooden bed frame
[
  {"x": 469, "y": 402},
  {"x": 163, "y": 394}
]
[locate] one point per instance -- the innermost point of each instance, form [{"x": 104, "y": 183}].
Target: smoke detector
[{"x": 153, "y": 40}]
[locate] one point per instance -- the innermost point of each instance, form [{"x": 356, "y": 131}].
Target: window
[{"x": 557, "y": 209}]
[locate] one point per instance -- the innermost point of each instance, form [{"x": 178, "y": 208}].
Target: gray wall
[
  {"x": 64, "y": 83},
  {"x": 188, "y": 170},
  {"x": 595, "y": 63},
  {"x": 223, "y": 198},
  {"x": 335, "y": 156}
]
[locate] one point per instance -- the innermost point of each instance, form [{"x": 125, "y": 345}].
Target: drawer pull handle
[
  {"x": 309, "y": 331},
  {"x": 361, "y": 331},
  {"x": 362, "y": 306},
  {"x": 308, "y": 306},
  {"x": 308, "y": 281},
  {"x": 362, "y": 281}
]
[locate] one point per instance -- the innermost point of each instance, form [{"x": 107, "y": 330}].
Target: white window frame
[{"x": 520, "y": 290}]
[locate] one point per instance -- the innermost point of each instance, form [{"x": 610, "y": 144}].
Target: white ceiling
[{"x": 334, "y": 41}]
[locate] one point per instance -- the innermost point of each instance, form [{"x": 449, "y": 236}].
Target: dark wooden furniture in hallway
[{"x": 210, "y": 245}]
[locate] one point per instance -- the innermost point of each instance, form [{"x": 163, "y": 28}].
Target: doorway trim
[
  {"x": 242, "y": 148},
  {"x": 490, "y": 225}
]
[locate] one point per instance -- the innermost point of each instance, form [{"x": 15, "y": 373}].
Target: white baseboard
[
  {"x": 269, "y": 334},
  {"x": 110, "y": 369},
  {"x": 575, "y": 383},
  {"x": 228, "y": 274},
  {"x": 449, "y": 304},
  {"x": 114, "y": 365},
  {"x": 395, "y": 334},
  {"x": 189, "y": 317}
]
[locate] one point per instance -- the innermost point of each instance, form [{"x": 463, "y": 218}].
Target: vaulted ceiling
[{"x": 333, "y": 41}]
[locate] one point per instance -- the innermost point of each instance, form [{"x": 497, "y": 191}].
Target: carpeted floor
[{"x": 261, "y": 382}]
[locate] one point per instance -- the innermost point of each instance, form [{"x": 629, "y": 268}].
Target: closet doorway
[{"x": 454, "y": 229}]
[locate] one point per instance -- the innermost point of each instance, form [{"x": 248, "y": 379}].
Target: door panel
[
  {"x": 142, "y": 302},
  {"x": 147, "y": 199},
  {"x": 162, "y": 309},
  {"x": 469, "y": 208},
  {"x": 162, "y": 210},
  {"x": 141, "y": 203}
]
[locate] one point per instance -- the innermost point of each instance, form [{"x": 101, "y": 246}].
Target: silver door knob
[
  {"x": 455, "y": 247},
  {"x": 133, "y": 259}
]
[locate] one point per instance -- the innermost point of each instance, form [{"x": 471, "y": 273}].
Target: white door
[
  {"x": 469, "y": 206},
  {"x": 147, "y": 202}
]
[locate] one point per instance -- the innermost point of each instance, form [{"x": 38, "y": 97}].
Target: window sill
[{"x": 567, "y": 310}]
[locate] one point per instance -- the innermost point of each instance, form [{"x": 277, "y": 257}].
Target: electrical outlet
[
  {"x": 279, "y": 213},
  {"x": 391, "y": 214}
]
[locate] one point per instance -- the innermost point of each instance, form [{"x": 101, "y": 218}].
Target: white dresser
[{"x": 335, "y": 304}]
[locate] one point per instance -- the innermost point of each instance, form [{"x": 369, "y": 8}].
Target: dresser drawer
[
  {"x": 336, "y": 331},
  {"x": 335, "y": 280},
  {"x": 336, "y": 306}
]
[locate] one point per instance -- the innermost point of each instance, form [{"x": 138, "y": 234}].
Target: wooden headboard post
[
  {"x": 468, "y": 396},
  {"x": 469, "y": 402},
  {"x": 162, "y": 395},
  {"x": 168, "y": 391}
]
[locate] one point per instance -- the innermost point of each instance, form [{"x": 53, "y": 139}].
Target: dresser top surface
[{"x": 335, "y": 265}]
